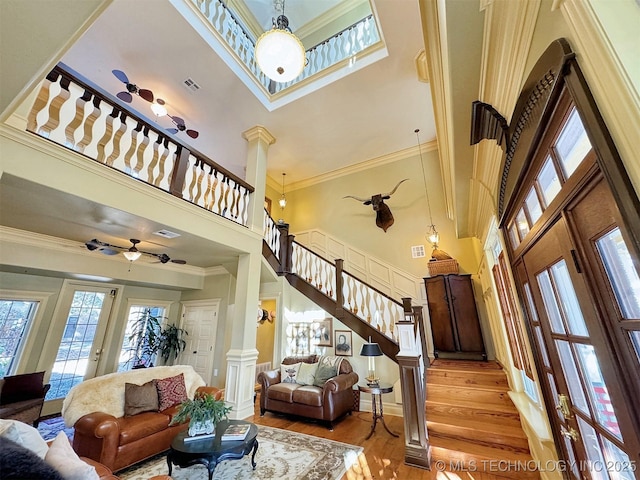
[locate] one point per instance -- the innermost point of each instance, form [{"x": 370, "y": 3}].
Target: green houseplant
[
  {"x": 149, "y": 339},
  {"x": 203, "y": 412}
]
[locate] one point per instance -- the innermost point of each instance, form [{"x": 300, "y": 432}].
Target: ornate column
[
  {"x": 259, "y": 140},
  {"x": 241, "y": 357}
]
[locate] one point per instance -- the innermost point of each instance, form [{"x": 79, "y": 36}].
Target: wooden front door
[{"x": 574, "y": 276}]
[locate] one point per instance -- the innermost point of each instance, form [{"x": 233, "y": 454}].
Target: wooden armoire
[{"x": 455, "y": 325}]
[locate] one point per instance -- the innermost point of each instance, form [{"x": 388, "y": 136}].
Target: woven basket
[{"x": 443, "y": 267}]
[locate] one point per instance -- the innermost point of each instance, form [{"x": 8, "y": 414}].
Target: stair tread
[
  {"x": 434, "y": 420},
  {"x": 478, "y": 450},
  {"x": 473, "y": 404},
  {"x": 466, "y": 365},
  {"x": 470, "y": 386}
]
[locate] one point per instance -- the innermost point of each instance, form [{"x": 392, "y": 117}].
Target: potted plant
[
  {"x": 203, "y": 412},
  {"x": 149, "y": 339}
]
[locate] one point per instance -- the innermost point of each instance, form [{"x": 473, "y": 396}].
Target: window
[
  {"x": 133, "y": 352},
  {"x": 572, "y": 144},
  {"x": 511, "y": 320},
  {"x": 16, "y": 317}
]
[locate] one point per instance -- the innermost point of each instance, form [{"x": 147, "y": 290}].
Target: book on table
[{"x": 236, "y": 432}]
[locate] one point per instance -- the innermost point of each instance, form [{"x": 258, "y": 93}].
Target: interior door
[
  {"x": 200, "y": 320},
  {"x": 594, "y": 417},
  {"x": 85, "y": 310}
]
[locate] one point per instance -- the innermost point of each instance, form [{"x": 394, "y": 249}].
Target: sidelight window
[{"x": 15, "y": 319}]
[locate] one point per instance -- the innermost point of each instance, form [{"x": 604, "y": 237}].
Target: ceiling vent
[
  {"x": 191, "y": 85},
  {"x": 166, "y": 233}
]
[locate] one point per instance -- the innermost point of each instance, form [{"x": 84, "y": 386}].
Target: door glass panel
[
  {"x": 522, "y": 223},
  {"x": 532, "y": 307},
  {"x": 554, "y": 395},
  {"x": 549, "y": 181},
  {"x": 574, "y": 383},
  {"x": 635, "y": 339},
  {"x": 568, "y": 444},
  {"x": 513, "y": 234},
  {"x": 543, "y": 349},
  {"x": 618, "y": 463},
  {"x": 573, "y": 144},
  {"x": 550, "y": 302},
  {"x": 533, "y": 205},
  {"x": 622, "y": 275},
  {"x": 15, "y": 317},
  {"x": 568, "y": 299},
  {"x": 75, "y": 347},
  {"x": 598, "y": 393},
  {"x": 598, "y": 468}
]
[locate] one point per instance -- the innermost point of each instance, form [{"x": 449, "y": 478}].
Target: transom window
[{"x": 566, "y": 153}]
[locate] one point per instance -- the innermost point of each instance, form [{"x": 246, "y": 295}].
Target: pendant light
[
  {"x": 432, "y": 235},
  {"x": 283, "y": 199},
  {"x": 279, "y": 53}
]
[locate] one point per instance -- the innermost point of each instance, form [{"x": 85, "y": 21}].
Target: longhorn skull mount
[{"x": 384, "y": 217}]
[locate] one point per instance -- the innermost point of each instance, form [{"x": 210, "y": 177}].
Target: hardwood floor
[{"x": 383, "y": 455}]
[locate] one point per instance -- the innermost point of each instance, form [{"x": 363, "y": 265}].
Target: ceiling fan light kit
[{"x": 132, "y": 253}]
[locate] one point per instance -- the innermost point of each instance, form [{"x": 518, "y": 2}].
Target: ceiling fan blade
[
  {"x": 172, "y": 130},
  {"x": 109, "y": 251},
  {"x": 177, "y": 120},
  {"x": 192, "y": 133},
  {"x": 125, "y": 97},
  {"x": 146, "y": 94},
  {"x": 93, "y": 244},
  {"x": 120, "y": 75},
  {"x": 179, "y": 262}
]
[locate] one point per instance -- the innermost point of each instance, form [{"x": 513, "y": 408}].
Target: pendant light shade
[{"x": 279, "y": 53}]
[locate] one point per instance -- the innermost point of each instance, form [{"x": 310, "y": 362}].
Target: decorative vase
[{"x": 202, "y": 427}]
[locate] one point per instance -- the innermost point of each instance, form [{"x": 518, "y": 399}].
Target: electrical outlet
[{"x": 215, "y": 372}]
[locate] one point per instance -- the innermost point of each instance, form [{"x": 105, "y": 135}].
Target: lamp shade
[
  {"x": 280, "y": 55},
  {"x": 132, "y": 255},
  {"x": 371, "y": 350}
]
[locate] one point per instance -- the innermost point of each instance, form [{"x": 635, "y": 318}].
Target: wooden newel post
[
  {"x": 412, "y": 381},
  {"x": 339, "y": 295},
  {"x": 285, "y": 264},
  {"x": 179, "y": 171}
]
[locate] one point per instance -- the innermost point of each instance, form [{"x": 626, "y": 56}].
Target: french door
[
  {"x": 84, "y": 309},
  {"x": 578, "y": 280}
]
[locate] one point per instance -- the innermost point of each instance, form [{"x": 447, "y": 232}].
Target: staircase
[{"x": 472, "y": 422}]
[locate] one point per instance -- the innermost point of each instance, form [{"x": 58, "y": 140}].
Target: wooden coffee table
[{"x": 211, "y": 451}]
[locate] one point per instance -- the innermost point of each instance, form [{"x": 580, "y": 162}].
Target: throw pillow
[
  {"x": 324, "y": 373},
  {"x": 307, "y": 373},
  {"x": 171, "y": 391},
  {"x": 17, "y": 388},
  {"x": 20, "y": 463},
  {"x": 140, "y": 398},
  {"x": 288, "y": 373},
  {"x": 25, "y": 435},
  {"x": 62, "y": 457}
]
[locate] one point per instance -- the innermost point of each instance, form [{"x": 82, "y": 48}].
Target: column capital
[{"x": 259, "y": 133}]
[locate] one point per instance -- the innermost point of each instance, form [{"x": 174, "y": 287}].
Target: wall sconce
[{"x": 371, "y": 350}]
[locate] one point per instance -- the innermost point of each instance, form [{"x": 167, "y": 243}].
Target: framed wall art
[
  {"x": 323, "y": 333},
  {"x": 344, "y": 346}
]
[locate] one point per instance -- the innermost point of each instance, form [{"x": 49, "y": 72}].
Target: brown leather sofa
[
  {"x": 327, "y": 403},
  {"x": 121, "y": 442}
]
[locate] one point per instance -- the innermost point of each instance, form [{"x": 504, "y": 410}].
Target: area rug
[
  {"x": 281, "y": 455},
  {"x": 49, "y": 428}
]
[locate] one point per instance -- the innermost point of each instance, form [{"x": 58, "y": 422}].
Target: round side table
[{"x": 376, "y": 392}]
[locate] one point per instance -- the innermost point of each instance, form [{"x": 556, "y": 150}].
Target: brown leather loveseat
[
  {"x": 95, "y": 408},
  {"x": 326, "y": 401}
]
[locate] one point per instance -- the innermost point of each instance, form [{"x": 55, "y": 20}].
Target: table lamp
[{"x": 371, "y": 350}]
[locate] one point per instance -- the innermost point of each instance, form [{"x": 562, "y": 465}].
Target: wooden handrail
[{"x": 68, "y": 73}]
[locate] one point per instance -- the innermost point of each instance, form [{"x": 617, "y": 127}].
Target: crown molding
[
  {"x": 437, "y": 55},
  {"x": 358, "y": 167},
  {"x": 422, "y": 69}
]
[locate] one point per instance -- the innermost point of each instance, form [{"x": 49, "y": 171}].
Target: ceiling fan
[
  {"x": 125, "y": 96},
  {"x": 181, "y": 127},
  {"x": 131, "y": 253}
]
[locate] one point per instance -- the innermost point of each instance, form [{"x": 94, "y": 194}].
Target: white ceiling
[{"x": 370, "y": 113}]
